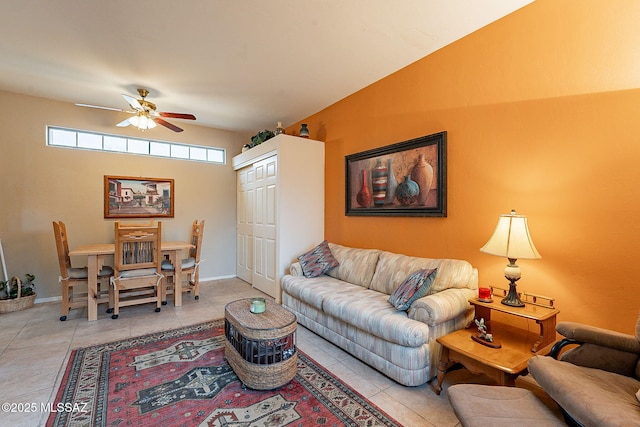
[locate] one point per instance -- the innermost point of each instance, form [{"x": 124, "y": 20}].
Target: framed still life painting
[{"x": 404, "y": 179}]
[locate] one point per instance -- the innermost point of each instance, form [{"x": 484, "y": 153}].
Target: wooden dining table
[{"x": 97, "y": 253}]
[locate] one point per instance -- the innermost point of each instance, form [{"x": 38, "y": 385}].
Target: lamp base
[{"x": 512, "y": 299}]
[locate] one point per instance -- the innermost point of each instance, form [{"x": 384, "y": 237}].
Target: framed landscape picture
[
  {"x": 404, "y": 179},
  {"x": 134, "y": 197}
]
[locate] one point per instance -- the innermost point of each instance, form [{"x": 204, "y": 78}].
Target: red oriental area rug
[{"x": 181, "y": 378}]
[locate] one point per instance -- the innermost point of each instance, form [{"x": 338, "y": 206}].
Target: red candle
[{"x": 484, "y": 293}]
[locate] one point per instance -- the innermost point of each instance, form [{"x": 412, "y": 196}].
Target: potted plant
[{"x": 16, "y": 294}]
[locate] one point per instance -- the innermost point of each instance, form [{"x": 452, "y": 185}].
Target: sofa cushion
[
  {"x": 83, "y": 272},
  {"x": 593, "y": 397},
  {"x": 317, "y": 261},
  {"x": 415, "y": 286},
  {"x": 392, "y": 269},
  {"x": 370, "y": 311},
  {"x": 356, "y": 265},
  {"x": 313, "y": 291}
]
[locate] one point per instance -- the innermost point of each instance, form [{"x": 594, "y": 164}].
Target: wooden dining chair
[
  {"x": 74, "y": 282},
  {"x": 190, "y": 270},
  {"x": 137, "y": 266}
]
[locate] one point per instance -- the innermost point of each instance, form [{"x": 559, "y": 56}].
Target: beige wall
[{"x": 40, "y": 184}]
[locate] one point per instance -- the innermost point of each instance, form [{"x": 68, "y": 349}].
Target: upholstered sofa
[{"x": 349, "y": 306}]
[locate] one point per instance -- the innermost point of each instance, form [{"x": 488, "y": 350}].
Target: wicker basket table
[{"x": 261, "y": 347}]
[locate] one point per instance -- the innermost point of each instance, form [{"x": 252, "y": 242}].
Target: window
[{"x": 73, "y": 138}]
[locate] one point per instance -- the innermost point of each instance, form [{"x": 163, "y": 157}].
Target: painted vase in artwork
[
  {"x": 364, "y": 195},
  {"x": 422, "y": 174},
  {"x": 392, "y": 184},
  {"x": 379, "y": 176},
  {"x": 407, "y": 191}
]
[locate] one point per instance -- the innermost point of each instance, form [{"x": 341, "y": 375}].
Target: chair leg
[
  {"x": 103, "y": 282},
  {"x": 196, "y": 285},
  {"x": 159, "y": 291},
  {"x": 112, "y": 303},
  {"x": 65, "y": 301},
  {"x": 116, "y": 304},
  {"x": 163, "y": 290}
]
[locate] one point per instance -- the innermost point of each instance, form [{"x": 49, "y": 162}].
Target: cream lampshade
[{"x": 511, "y": 239}]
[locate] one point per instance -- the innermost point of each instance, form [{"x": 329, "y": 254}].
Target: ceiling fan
[{"x": 145, "y": 114}]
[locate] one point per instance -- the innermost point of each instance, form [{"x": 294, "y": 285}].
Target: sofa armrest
[
  {"x": 600, "y": 348},
  {"x": 296, "y": 269},
  {"x": 599, "y": 336},
  {"x": 442, "y": 306}
]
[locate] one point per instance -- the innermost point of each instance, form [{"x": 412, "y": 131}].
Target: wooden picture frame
[
  {"x": 370, "y": 175},
  {"x": 137, "y": 197}
]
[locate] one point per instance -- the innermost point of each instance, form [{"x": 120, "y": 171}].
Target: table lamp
[{"x": 511, "y": 239}]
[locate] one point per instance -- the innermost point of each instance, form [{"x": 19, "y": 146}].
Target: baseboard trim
[
  {"x": 48, "y": 299},
  {"x": 206, "y": 279}
]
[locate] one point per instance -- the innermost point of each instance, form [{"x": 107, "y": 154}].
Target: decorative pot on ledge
[{"x": 304, "y": 131}]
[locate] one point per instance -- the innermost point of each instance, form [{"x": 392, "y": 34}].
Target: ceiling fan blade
[
  {"x": 168, "y": 125},
  {"x": 185, "y": 116},
  {"x": 102, "y": 108},
  {"x": 135, "y": 104},
  {"x": 124, "y": 123}
]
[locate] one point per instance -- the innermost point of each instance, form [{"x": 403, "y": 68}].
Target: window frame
[{"x": 120, "y": 144}]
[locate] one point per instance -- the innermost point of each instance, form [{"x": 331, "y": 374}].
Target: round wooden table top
[{"x": 275, "y": 317}]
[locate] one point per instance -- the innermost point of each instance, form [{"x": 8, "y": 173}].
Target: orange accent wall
[{"x": 542, "y": 110}]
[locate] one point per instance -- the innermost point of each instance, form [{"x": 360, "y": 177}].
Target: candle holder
[
  {"x": 258, "y": 305},
  {"x": 484, "y": 295}
]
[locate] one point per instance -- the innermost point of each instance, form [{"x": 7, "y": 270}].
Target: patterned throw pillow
[
  {"x": 415, "y": 286},
  {"x": 317, "y": 261}
]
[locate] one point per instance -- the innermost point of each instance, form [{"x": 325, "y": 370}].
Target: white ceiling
[{"x": 236, "y": 64}]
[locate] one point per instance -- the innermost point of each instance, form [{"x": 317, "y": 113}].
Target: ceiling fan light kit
[
  {"x": 142, "y": 121},
  {"x": 145, "y": 114}
]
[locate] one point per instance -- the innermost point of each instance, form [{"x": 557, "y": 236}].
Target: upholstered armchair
[{"x": 595, "y": 381}]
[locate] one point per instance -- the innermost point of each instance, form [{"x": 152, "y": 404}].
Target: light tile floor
[{"x": 35, "y": 346}]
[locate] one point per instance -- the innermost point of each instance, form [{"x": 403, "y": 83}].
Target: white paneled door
[
  {"x": 245, "y": 213},
  {"x": 264, "y": 228}
]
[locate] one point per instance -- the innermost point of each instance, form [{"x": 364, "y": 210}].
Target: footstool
[{"x": 478, "y": 405}]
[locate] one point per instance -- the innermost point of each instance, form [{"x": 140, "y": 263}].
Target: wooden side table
[{"x": 505, "y": 364}]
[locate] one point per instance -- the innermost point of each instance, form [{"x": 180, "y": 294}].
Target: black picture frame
[{"x": 423, "y": 160}]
